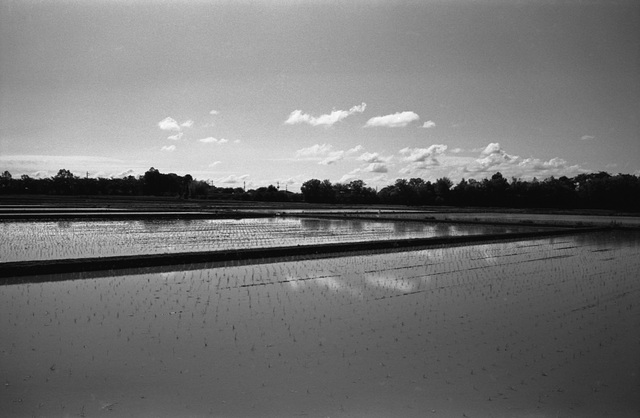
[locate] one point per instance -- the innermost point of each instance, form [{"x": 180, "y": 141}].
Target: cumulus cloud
[
  {"x": 325, "y": 153},
  {"x": 377, "y": 168},
  {"x": 214, "y": 112},
  {"x": 429, "y": 124},
  {"x": 422, "y": 158},
  {"x": 423, "y": 154},
  {"x": 314, "y": 150},
  {"x": 123, "y": 174},
  {"x": 373, "y": 157},
  {"x": 168, "y": 148},
  {"x": 297, "y": 116},
  {"x": 494, "y": 158},
  {"x": 176, "y": 137},
  {"x": 212, "y": 140},
  {"x": 187, "y": 124},
  {"x": 332, "y": 158},
  {"x": 169, "y": 124},
  {"x": 493, "y": 155},
  {"x": 396, "y": 120},
  {"x": 587, "y": 137}
]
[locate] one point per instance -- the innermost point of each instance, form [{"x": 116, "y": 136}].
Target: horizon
[{"x": 284, "y": 92}]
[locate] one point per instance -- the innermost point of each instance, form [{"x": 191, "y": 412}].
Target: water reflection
[{"x": 381, "y": 330}]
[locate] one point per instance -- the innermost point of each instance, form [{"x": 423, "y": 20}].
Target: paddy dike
[{"x": 25, "y": 271}]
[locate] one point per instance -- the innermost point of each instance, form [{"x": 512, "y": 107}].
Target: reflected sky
[{"x": 292, "y": 337}]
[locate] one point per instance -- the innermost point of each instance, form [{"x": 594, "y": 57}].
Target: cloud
[
  {"x": 332, "y": 158},
  {"x": 325, "y": 153},
  {"x": 187, "y": 124},
  {"x": 176, "y": 137},
  {"x": 397, "y": 120},
  {"x": 422, "y": 158},
  {"x": 429, "y": 124},
  {"x": 169, "y": 124},
  {"x": 423, "y": 154},
  {"x": 314, "y": 150},
  {"x": 123, "y": 174},
  {"x": 215, "y": 163},
  {"x": 373, "y": 157},
  {"x": 587, "y": 137},
  {"x": 377, "y": 168},
  {"x": 214, "y": 112},
  {"x": 169, "y": 148},
  {"x": 493, "y": 158},
  {"x": 323, "y": 120},
  {"x": 212, "y": 140},
  {"x": 493, "y": 155}
]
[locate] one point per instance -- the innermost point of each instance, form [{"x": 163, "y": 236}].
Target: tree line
[{"x": 595, "y": 190}]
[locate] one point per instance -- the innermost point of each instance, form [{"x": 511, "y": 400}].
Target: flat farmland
[
  {"x": 46, "y": 240},
  {"x": 533, "y": 328}
]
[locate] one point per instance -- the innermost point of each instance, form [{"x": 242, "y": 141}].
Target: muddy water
[
  {"x": 22, "y": 241},
  {"x": 545, "y": 327}
]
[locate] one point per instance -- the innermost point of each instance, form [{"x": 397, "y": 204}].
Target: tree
[{"x": 64, "y": 182}]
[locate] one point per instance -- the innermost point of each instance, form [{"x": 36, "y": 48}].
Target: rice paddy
[
  {"x": 534, "y": 328},
  {"x": 23, "y": 241}
]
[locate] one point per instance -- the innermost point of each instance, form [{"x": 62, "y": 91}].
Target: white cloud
[
  {"x": 587, "y": 137},
  {"x": 373, "y": 157},
  {"x": 169, "y": 124},
  {"x": 215, "y": 163},
  {"x": 493, "y": 159},
  {"x": 123, "y": 174},
  {"x": 332, "y": 158},
  {"x": 377, "y": 168},
  {"x": 176, "y": 137},
  {"x": 429, "y": 124},
  {"x": 187, "y": 124},
  {"x": 323, "y": 120},
  {"x": 169, "y": 148},
  {"x": 325, "y": 153},
  {"x": 214, "y": 112},
  {"x": 396, "y": 120},
  {"x": 456, "y": 150},
  {"x": 314, "y": 150},
  {"x": 422, "y": 158},
  {"x": 212, "y": 140},
  {"x": 492, "y": 148},
  {"x": 423, "y": 154}
]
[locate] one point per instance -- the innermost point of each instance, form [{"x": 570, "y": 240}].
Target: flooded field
[
  {"x": 536, "y": 328},
  {"x": 21, "y": 241}
]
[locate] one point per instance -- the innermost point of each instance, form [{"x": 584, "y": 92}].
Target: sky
[{"x": 242, "y": 93}]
